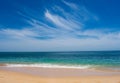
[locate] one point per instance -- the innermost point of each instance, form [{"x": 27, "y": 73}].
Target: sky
[{"x": 59, "y": 25}]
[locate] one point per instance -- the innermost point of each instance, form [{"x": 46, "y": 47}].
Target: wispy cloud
[
  {"x": 69, "y": 25},
  {"x": 80, "y": 11},
  {"x": 68, "y": 44},
  {"x": 62, "y": 22},
  {"x": 18, "y": 34},
  {"x": 65, "y": 32},
  {"x": 34, "y": 40},
  {"x": 71, "y": 22},
  {"x": 70, "y": 4}
]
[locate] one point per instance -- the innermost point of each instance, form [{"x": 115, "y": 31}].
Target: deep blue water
[{"x": 96, "y": 58}]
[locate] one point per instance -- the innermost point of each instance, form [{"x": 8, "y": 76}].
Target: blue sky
[{"x": 59, "y": 25}]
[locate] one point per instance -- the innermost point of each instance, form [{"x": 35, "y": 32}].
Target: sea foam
[{"x": 50, "y": 66}]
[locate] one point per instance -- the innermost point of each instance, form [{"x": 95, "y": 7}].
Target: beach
[
  {"x": 60, "y": 67},
  {"x": 56, "y": 75}
]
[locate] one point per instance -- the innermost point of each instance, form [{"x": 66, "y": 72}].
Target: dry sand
[{"x": 7, "y": 76}]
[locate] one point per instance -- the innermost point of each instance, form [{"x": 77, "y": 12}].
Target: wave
[{"x": 50, "y": 66}]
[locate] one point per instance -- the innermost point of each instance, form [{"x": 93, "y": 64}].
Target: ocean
[{"x": 82, "y": 59}]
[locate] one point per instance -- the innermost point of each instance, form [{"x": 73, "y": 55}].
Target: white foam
[{"x": 50, "y": 66}]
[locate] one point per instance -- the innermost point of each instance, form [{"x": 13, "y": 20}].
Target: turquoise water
[{"x": 91, "y": 58}]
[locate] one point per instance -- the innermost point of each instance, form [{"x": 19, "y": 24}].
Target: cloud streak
[
  {"x": 70, "y": 4},
  {"x": 61, "y": 22}
]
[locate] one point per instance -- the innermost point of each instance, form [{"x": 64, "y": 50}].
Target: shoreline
[
  {"x": 61, "y": 66},
  {"x": 60, "y": 72}
]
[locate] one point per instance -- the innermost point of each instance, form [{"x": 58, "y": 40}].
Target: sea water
[{"x": 82, "y": 59}]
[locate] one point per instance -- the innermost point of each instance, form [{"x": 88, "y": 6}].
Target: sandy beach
[{"x": 46, "y": 75}]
